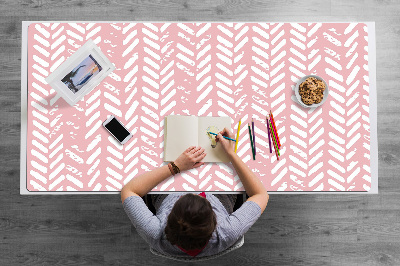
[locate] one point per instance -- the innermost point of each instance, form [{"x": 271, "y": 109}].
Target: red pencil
[{"x": 276, "y": 131}]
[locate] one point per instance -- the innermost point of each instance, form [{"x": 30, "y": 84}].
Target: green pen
[{"x": 251, "y": 142}]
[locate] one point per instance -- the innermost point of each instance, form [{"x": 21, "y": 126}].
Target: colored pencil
[
  {"x": 275, "y": 143},
  {"x": 274, "y": 128},
  {"x": 269, "y": 136},
  {"x": 251, "y": 142},
  {"x": 237, "y": 135},
  {"x": 254, "y": 136},
  {"x": 222, "y": 136},
  {"x": 276, "y": 131}
]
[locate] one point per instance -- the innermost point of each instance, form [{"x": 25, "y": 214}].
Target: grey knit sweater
[{"x": 229, "y": 227}]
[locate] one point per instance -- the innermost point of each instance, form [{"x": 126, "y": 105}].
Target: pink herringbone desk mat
[{"x": 241, "y": 70}]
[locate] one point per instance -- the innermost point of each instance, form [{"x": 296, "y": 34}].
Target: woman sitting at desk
[{"x": 188, "y": 224}]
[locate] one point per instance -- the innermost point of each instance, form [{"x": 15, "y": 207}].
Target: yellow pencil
[{"x": 237, "y": 135}]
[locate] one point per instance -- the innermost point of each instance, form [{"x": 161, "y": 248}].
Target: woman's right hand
[{"x": 227, "y": 145}]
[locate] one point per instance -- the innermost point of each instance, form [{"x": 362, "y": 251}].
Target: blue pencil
[{"x": 223, "y": 136}]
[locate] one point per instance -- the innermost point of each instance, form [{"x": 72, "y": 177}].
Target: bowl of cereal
[{"x": 311, "y": 91}]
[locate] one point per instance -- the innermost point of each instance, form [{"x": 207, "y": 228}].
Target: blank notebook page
[{"x": 181, "y": 133}]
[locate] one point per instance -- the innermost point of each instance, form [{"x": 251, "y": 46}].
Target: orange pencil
[{"x": 276, "y": 131}]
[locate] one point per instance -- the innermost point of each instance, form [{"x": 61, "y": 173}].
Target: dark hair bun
[{"x": 191, "y": 222}]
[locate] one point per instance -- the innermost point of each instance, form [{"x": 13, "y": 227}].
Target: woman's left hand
[{"x": 190, "y": 158}]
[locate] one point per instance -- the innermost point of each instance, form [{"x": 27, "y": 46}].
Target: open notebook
[{"x": 181, "y": 132}]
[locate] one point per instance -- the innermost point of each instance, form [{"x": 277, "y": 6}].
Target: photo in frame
[{"x": 80, "y": 73}]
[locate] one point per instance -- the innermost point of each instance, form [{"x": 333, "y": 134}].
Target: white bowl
[{"x": 314, "y": 105}]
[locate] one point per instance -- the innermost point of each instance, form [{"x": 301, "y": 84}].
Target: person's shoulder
[
  {"x": 249, "y": 210},
  {"x": 211, "y": 197},
  {"x": 216, "y": 204},
  {"x": 239, "y": 220}
]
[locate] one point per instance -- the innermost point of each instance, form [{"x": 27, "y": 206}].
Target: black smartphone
[{"x": 117, "y": 129}]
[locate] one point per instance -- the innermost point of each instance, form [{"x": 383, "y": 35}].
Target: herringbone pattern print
[{"x": 241, "y": 70}]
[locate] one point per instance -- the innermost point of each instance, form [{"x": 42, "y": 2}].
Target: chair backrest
[{"x": 237, "y": 245}]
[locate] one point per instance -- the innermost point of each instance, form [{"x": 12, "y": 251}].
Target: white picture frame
[{"x": 80, "y": 73}]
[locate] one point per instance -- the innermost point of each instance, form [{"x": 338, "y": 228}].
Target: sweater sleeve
[
  {"x": 146, "y": 223},
  {"x": 239, "y": 222}
]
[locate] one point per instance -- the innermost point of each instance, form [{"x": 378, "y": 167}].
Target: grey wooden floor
[{"x": 302, "y": 230}]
